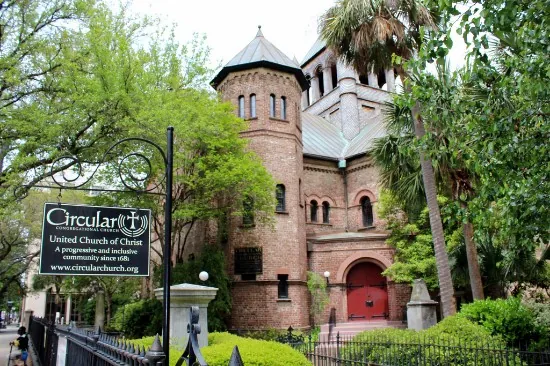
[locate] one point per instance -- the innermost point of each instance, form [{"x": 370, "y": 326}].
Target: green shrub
[
  {"x": 253, "y": 352},
  {"x": 454, "y": 336},
  {"x": 509, "y": 319},
  {"x": 139, "y": 319}
]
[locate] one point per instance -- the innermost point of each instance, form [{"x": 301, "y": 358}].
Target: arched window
[
  {"x": 283, "y": 107},
  {"x": 366, "y": 211},
  {"x": 252, "y": 105},
  {"x": 313, "y": 208},
  {"x": 280, "y": 195},
  {"x": 326, "y": 212},
  {"x": 272, "y": 106},
  {"x": 241, "y": 106},
  {"x": 320, "y": 78}
]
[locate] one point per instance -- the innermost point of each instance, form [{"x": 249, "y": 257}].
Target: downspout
[{"x": 342, "y": 167}]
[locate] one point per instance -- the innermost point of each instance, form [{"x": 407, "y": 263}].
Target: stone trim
[{"x": 361, "y": 256}]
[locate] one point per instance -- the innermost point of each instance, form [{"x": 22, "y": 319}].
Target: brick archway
[{"x": 360, "y": 256}]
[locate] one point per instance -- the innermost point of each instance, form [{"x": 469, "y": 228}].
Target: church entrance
[{"x": 367, "y": 292}]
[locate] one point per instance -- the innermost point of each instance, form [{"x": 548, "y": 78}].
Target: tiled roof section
[
  {"x": 261, "y": 53},
  {"x": 317, "y": 47},
  {"x": 321, "y": 139},
  {"x": 260, "y": 49}
]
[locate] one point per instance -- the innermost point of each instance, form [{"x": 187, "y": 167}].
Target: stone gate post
[{"x": 182, "y": 297}]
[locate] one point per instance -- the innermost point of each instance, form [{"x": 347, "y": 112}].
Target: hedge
[{"x": 253, "y": 352}]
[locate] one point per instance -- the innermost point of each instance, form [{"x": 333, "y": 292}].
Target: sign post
[{"x": 69, "y": 243}]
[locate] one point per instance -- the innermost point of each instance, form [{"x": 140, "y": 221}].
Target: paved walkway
[{"x": 6, "y": 336}]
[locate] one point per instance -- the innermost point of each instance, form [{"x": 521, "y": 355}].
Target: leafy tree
[
  {"x": 397, "y": 156},
  {"x": 212, "y": 260},
  {"x": 317, "y": 287},
  {"x": 368, "y": 35},
  {"x": 499, "y": 128}
]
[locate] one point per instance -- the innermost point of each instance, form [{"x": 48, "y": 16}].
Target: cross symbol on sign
[{"x": 133, "y": 218}]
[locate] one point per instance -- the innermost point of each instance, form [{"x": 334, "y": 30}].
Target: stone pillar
[
  {"x": 390, "y": 80},
  {"x": 315, "y": 92},
  {"x": 373, "y": 80},
  {"x": 68, "y": 308},
  {"x": 100, "y": 310},
  {"x": 349, "y": 110},
  {"x": 327, "y": 80},
  {"x": 421, "y": 310},
  {"x": 182, "y": 297}
]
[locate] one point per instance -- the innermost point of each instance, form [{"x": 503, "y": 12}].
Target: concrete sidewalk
[{"x": 6, "y": 336}]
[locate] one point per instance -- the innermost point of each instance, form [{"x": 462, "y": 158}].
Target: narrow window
[
  {"x": 280, "y": 195},
  {"x": 313, "y": 208},
  {"x": 326, "y": 212},
  {"x": 334, "y": 75},
  {"x": 282, "y": 290},
  {"x": 248, "y": 211},
  {"x": 321, "y": 83},
  {"x": 366, "y": 210},
  {"x": 283, "y": 107},
  {"x": 241, "y": 106},
  {"x": 272, "y": 106},
  {"x": 308, "y": 91},
  {"x": 252, "y": 105}
]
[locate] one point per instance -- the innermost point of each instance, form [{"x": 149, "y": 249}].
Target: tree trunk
[
  {"x": 448, "y": 303},
  {"x": 471, "y": 255},
  {"x": 100, "y": 310}
]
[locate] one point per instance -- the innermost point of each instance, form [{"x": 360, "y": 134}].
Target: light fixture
[
  {"x": 203, "y": 276},
  {"x": 327, "y": 275}
]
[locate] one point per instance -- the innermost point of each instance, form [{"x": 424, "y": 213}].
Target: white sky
[{"x": 291, "y": 25}]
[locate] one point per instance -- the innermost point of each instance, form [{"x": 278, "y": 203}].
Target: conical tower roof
[{"x": 261, "y": 53}]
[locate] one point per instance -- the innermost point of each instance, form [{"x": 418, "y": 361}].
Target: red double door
[{"x": 367, "y": 292}]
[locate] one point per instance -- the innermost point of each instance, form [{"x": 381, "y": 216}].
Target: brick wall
[{"x": 278, "y": 142}]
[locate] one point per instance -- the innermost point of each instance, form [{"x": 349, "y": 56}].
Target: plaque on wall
[{"x": 248, "y": 260}]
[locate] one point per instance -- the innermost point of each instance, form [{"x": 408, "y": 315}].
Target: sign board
[
  {"x": 248, "y": 260},
  {"x": 95, "y": 240}
]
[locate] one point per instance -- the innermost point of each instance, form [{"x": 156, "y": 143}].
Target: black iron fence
[
  {"x": 344, "y": 351},
  {"x": 86, "y": 347},
  {"x": 43, "y": 341}
]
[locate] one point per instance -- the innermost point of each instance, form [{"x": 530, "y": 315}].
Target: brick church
[{"x": 312, "y": 124}]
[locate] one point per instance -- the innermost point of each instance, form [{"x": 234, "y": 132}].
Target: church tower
[{"x": 268, "y": 265}]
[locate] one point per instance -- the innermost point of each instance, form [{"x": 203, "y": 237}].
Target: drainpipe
[{"x": 342, "y": 167}]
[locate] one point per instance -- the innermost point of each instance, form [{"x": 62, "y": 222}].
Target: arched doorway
[{"x": 367, "y": 292}]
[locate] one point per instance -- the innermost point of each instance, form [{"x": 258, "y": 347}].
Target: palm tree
[
  {"x": 400, "y": 171},
  {"x": 365, "y": 34}
]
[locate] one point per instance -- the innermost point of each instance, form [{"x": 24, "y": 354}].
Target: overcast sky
[{"x": 291, "y": 25}]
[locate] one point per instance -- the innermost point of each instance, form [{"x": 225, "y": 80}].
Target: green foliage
[
  {"x": 453, "y": 334},
  {"x": 253, "y": 352},
  {"x": 317, "y": 287},
  {"x": 414, "y": 257},
  {"x": 146, "y": 342},
  {"x": 212, "y": 260},
  {"x": 509, "y": 319},
  {"x": 139, "y": 319}
]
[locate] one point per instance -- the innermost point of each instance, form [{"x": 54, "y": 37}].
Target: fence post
[
  {"x": 338, "y": 348},
  {"x": 155, "y": 355}
]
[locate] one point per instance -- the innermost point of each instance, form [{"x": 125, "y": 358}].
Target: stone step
[{"x": 350, "y": 329}]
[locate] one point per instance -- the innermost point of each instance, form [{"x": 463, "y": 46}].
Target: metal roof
[
  {"x": 317, "y": 47},
  {"x": 322, "y": 139},
  {"x": 261, "y": 53}
]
